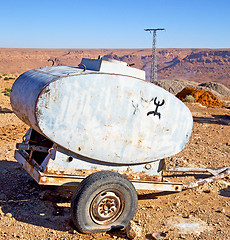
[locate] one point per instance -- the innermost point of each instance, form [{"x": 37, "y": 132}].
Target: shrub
[
  {"x": 189, "y": 98},
  {"x": 4, "y": 74},
  {"x": 227, "y": 150},
  {"x": 6, "y": 92},
  {"x": 6, "y": 78}
]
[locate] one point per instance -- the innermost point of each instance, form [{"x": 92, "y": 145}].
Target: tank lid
[{"x": 107, "y": 65}]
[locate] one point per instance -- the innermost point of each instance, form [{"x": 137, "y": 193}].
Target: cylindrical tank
[{"x": 109, "y": 117}]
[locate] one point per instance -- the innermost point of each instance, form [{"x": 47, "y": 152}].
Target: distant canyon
[{"x": 199, "y": 65}]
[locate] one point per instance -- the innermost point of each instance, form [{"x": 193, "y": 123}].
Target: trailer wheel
[{"x": 104, "y": 201}]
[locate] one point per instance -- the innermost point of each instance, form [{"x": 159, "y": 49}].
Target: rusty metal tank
[{"x": 103, "y": 110}]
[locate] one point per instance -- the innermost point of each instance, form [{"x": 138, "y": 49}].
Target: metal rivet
[
  {"x": 70, "y": 159},
  {"x": 148, "y": 166}
]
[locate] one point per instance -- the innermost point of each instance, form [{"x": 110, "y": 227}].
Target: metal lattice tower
[{"x": 153, "y": 76}]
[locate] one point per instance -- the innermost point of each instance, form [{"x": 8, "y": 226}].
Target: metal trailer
[{"x": 101, "y": 127}]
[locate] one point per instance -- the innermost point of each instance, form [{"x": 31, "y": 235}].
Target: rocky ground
[{"x": 30, "y": 211}]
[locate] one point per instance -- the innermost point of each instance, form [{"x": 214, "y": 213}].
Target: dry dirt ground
[{"x": 30, "y": 211}]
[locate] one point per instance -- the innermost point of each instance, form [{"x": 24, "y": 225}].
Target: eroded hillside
[{"x": 199, "y": 65}]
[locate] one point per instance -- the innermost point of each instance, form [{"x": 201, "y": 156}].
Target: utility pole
[{"x": 153, "y": 76}]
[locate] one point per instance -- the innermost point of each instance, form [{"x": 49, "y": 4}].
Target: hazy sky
[{"x": 114, "y": 24}]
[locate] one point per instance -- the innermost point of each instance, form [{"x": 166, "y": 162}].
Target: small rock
[
  {"x": 176, "y": 204},
  {"x": 68, "y": 228},
  {"x": 72, "y": 231},
  {"x": 206, "y": 190},
  {"x": 9, "y": 215},
  {"x": 158, "y": 235},
  {"x": 133, "y": 231},
  {"x": 138, "y": 222},
  {"x": 182, "y": 236}
]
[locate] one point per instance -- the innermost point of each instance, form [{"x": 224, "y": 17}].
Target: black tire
[{"x": 104, "y": 201}]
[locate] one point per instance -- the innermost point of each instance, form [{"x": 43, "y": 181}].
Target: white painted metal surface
[
  {"x": 110, "y": 118},
  {"x": 107, "y": 65}
]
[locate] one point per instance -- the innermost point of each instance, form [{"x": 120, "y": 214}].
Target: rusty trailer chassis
[{"x": 49, "y": 164}]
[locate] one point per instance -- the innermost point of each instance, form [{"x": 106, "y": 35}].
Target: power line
[{"x": 153, "y": 76}]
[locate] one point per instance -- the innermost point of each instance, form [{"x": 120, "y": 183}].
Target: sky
[{"x": 114, "y": 24}]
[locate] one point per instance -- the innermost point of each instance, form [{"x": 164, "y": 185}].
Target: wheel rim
[{"x": 107, "y": 206}]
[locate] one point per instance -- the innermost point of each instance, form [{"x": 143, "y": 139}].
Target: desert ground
[{"x": 31, "y": 211}]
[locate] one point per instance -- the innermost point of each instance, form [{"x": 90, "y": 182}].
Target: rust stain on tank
[
  {"x": 139, "y": 143},
  {"x": 142, "y": 176}
]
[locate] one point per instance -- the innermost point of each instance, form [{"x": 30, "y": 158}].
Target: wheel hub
[{"x": 107, "y": 207}]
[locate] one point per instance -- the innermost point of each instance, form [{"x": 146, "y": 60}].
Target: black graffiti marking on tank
[
  {"x": 136, "y": 109},
  {"x": 158, "y": 104}
]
